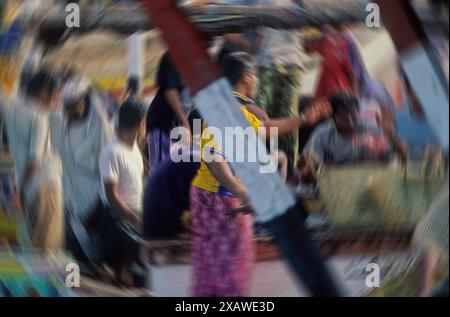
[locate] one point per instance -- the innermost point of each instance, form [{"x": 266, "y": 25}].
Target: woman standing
[
  {"x": 222, "y": 243},
  {"x": 166, "y": 111}
]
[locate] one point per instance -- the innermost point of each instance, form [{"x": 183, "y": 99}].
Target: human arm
[
  {"x": 170, "y": 83},
  {"x": 221, "y": 171},
  {"x": 318, "y": 110},
  {"x": 119, "y": 205},
  {"x": 173, "y": 98}
]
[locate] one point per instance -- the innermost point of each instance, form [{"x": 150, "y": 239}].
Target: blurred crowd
[{"x": 95, "y": 176}]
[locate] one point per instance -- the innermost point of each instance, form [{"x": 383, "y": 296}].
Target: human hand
[{"x": 319, "y": 110}]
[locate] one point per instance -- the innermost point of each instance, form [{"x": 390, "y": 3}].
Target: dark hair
[
  {"x": 344, "y": 102},
  {"x": 42, "y": 80},
  {"x": 133, "y": 85},
  {"x": 132, "y": 112},
  {"x": 235, "y": 65}
]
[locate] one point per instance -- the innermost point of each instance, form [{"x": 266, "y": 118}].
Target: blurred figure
[
  {"x": 122, "y": 171},
  {"x": 374, "y": 98},
  {"x": 222, "y": 245},
  {"x": 37, "y": 165},
  {"x": 166, "y": 111},
  {"x": 79, "y": 133},
  {"x": 337, "y": 73},
  {"x": 166, "y": 196},
  {"x": 343, "y": 141}
]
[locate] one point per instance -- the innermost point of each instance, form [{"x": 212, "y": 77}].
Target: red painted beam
[{"x": 402, "y": 23}]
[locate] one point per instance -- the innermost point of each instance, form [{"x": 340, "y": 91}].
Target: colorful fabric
[
  {"x": 204, "y": 179},
  {"x": 278, "y": 94},
  {"x": 33, "y": 274},
  {"x": 254, "y": 109},
  {"x": 337, "y": 73},
  {"x": 11, "y": 37},
  {"x": 159, "y": 144},
  {"x": 370, "y": 89},
  {"x": 223, "y": 250}
]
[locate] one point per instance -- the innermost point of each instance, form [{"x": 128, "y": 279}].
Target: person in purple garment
[
  {"x": 374, "y": 98},
  {"x": 166, "y": 197},
  {"x": 368, "y": 87}
]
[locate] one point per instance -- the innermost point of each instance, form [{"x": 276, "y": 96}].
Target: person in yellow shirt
[{"x": 222, "y": 245}]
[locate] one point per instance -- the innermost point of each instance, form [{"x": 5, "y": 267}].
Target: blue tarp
[{"x": 10, "y": 38}]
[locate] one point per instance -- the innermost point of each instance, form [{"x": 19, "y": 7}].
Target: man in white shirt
[
  {"x": 79, "y": 133},
  {"x": 37, "y": 166},
  {"x": 122, "y": 171}
]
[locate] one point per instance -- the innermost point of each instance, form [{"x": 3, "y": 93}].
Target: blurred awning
[{"x": 102, "y": 56}]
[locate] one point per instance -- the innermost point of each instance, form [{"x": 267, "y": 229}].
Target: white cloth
[
  {"x": 29, "y": 138},
  {"x": 75, "y": 89},
  {"x": 79, "y": 146},
  {"x": 122, "y": 165}
]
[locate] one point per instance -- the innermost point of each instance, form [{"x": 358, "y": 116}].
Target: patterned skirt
[{"x": 223, "y": 250}]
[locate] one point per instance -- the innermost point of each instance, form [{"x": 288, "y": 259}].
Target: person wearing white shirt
[
  {"x": 79, "y": 133},
  {"x": 122, "y": 172},
  {"x": 37, "y": 166}
]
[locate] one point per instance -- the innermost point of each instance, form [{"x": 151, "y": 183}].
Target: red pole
[{"x": 187, "y": 48}]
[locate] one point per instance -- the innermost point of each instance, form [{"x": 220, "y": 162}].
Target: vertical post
[{"x": 136, "y": 65}]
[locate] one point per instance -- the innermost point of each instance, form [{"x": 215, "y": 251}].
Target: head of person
[
  {"x": 43, "y": 86},
  {"x": 240, "y": 70},
  {"x": 345, "y": 108},
  {"x": 133, "y": 86},
  {"x": 75, "y": 98},
  {"x": 132, "y": 118}
]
